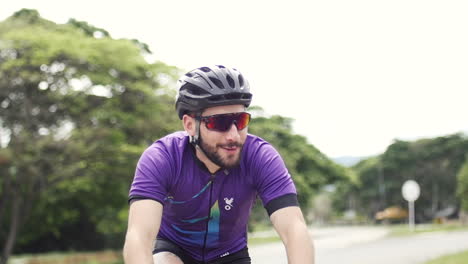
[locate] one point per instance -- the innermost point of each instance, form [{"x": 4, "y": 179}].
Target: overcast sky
[{"x": 355, "y": 75}]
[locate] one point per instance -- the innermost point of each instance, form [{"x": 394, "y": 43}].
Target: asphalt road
[{"x": 368, "y": 245}]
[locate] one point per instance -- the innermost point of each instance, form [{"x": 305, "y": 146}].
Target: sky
[{"x": 354, "y": 74}]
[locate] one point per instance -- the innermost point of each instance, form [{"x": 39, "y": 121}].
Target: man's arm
[
  {"x": 144, "y": 219},
  {"x": 292, "y": 229}
]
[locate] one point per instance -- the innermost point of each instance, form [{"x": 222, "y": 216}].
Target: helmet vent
[
  {"x": 247, "y": 96},
  {"x": 230, "y": 81},
  {"x": 217, "y": 82},
  {"x": 205, "y": 69},
  {"x": 193, "y": 89},
  {"x": 233, "y": 96},
  {"x": 216, "y": 98},
  {"x": 221, "y": 66},
  {"x": 189, "y": 74},
  {"x": 241, "y": 80}
]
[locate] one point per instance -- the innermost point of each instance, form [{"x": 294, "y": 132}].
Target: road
[{"x": 368, "y": 245}]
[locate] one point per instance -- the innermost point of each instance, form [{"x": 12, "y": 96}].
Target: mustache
[{"x": 230, "y": 145}]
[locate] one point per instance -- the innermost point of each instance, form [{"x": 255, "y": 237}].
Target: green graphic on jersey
[
  {"x": 213, "y": 226},
  {"x": 198, "y": 237}
]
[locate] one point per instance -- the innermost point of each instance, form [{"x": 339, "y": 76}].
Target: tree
[
  {"x": 433, "y": 163},
  {"x": 462, "y": 189},
  {"x": 363, "y": 188},
  {"x": 77, "y": 106}
]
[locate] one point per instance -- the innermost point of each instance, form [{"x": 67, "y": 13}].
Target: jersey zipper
[{"x": 209, "y": 217}]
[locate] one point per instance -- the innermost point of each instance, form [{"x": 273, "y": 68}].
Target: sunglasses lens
[
  {"x": 242, "y": 120},
  {"x": 224, "y": 122},
  {"x": 218, "y": 123}
]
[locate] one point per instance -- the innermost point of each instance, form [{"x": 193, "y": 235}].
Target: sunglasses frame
[{"x": 233, "y": 121}]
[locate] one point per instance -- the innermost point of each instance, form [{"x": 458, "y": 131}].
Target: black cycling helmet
[{"x": 211, "y": 86}]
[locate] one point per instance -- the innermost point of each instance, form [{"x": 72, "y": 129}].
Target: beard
[{"x": 229, "y": 161}]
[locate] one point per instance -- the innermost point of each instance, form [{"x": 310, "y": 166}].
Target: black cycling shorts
[{"x": 164, "y": 245}]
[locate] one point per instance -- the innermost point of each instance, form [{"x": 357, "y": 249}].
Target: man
[{"x": 194, "y": 190}]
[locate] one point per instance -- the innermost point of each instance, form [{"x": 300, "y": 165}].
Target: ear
[{"x": 189, "y": 124}]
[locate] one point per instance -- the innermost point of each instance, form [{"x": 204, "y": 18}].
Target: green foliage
[
  {"x": 88, "y": 29},
  {"x": 79, "y": 109},
  {"x": 455, "y": 258},
  {"x": 433, "y": 163},
  {"x": 462, "y": 190}
]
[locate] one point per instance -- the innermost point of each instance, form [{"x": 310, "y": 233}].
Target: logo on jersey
[{"x": 228, "y": 202}]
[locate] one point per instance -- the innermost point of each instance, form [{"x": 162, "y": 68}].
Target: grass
[
  {"x": 403, "y": 230},
  {"x": 457, "y": 258},
  {"x": 260, "y": 226},
  {"x": 263, "y": 240},
  {"x": 102, "y": 257},
  {"x": 263, "y": 233}
]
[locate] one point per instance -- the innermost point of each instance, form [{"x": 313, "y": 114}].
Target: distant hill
[{"x": 348, "y": 161}]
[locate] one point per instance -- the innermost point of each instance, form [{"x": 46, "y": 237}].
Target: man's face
[{"x": 223, "y": 148}]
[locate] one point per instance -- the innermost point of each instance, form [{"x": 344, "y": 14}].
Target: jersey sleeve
[
  {"x": 274, "y": 184},
  {"x": 152, "y": 174}
]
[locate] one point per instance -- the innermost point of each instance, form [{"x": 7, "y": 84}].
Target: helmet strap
[{"x": 195, "y": 139}]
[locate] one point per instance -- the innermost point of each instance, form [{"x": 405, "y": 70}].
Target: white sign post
[{"x": 410, "y": 191}]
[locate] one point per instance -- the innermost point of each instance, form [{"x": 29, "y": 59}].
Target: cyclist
[{"x": 193, "y": 190}]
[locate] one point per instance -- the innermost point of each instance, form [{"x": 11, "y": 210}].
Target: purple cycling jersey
[{"x": 207, "y": 214}]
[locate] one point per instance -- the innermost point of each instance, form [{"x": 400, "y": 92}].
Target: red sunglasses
[{"x": 223, "y": 122}]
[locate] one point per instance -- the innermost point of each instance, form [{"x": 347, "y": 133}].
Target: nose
[{"x": 232, "y": 134}]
